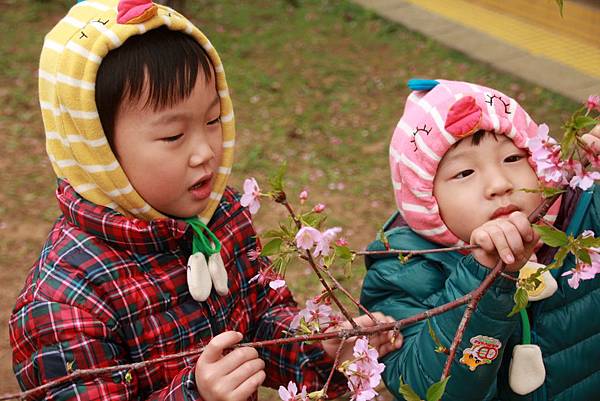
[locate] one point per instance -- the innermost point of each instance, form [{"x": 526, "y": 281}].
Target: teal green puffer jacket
[{"x": 566, "y": 326}]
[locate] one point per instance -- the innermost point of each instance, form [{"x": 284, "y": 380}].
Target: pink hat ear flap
[{"x": 464, "y": 117}]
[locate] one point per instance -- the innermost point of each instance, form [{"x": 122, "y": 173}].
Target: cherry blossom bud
[
  {"x": 319, "y": 207},
  {"x": 303, "y": 196}
]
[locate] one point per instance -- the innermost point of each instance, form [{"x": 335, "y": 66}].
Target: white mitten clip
[
  {"x": 218, "y": 274},
  {"x": 526, "y": 371},
  {"x": 198, "y": 277},
  {"x": 548, "y": 285}
]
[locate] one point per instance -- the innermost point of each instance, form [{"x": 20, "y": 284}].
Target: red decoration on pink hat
[
  {"x": 135, "y": 11},
  {"x": 463, "y": 117}
]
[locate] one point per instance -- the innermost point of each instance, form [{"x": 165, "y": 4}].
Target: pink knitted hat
[{"x": 437, "y": 114}]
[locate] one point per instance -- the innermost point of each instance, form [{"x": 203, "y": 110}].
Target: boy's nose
[
  {"x": 498, "y": 185},
  {"x": 201, "y": 153}
]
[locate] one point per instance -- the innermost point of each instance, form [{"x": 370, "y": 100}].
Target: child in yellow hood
[{"x": 150, "y": 256}]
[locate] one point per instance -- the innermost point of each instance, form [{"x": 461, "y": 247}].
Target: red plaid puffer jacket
[{"x": 109, "y": 290}]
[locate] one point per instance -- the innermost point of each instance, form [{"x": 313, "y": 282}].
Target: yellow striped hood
[{"x": 75, "y": 141}]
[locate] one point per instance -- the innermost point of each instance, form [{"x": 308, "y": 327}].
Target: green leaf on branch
[
  {"x": 276, "y": 180},
  {"x": 313, "y": 219},
  {"x": 588, "y": 242},
  {"x": 547, "y": 192},
  {"x": 383, "y": 238},
  {"x": 403, "y": 258},
  {"x": 560, "y": 4},
  {"x": 583, "y": 255},
  {"x": 272, "y": 247},
  {"x": 551, "y": 236},
  {"x": 568, "y": 140},
  {"x": 436, "y": 390},
  {"x": 407, "y": 392},
  {"x": 521, "y": 300},
  {"x": 583, "y": 122},
  {"x": 346, "y": 257},
  {"x": 273, "y": 234},
  {"x": 440, "y": 348},
  {"x": 559, "y": 258}
]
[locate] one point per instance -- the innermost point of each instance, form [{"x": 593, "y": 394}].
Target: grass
[{"x": 320, "y": 84}]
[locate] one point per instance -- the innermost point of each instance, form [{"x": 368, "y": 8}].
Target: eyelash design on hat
[
  {"x": 417, "y": 130},
  {"x": 490, "y": 101}
]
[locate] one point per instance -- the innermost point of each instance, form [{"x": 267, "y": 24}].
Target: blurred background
[{"x": 317, "y": 83}]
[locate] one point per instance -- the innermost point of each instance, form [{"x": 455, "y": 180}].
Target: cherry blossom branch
[
  {"x": 342, "y": 334},
  {"x": 337, "y": 285},
  {"x": 338, "y": 352},
  {"x": 408, "y": 253},
  {"x": 280, "y": 198}
]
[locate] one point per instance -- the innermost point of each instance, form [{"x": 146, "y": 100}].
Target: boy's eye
[
  {"x": 171, "y": 138},
  {"x": 215, "y": 121},
  {"x": 514, "y": 158},
  {"x": 464, "y": 173}
]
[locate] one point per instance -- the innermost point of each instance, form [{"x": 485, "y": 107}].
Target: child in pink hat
[{"x": 459, "y": 159}]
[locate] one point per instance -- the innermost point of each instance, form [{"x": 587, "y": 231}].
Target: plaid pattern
[{"x": 110, "y": 290}]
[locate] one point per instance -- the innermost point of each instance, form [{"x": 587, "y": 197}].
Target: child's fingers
[
  {"x": 521, "y": 222},
  {"x": 244, "y": 371},
  {"x": 513, "y": 238},
  {"x": 245, "y": 390},
  {"x": 237, "y": 358},
  {"x": 214, "y": 349},
  {"x": 501, "y": 244}
]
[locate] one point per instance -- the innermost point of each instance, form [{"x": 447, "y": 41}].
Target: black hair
[
  {"x": 476, "y": 138},
  {"x": 165, "y": 61}
]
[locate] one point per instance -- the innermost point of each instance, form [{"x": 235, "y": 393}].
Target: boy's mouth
[
  {"x": 504, "y": 211},
  {"x": 202, "y": 188}
]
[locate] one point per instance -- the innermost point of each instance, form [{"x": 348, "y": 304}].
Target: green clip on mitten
[{"x": 202, "y": 276}]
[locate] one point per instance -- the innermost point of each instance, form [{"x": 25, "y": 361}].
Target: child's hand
[
  {"x": 592, "y": 139},
  {"x": 232, "y": 377},
  {"x": 383, "y": 342},
  {"x": 512, "y": 239}
]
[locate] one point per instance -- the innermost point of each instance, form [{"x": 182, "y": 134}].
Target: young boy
[
  {"x": 458, "y": 160},
  {"x": 140, "y": 132}
]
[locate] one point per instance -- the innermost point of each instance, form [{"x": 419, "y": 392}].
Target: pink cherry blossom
[
  {"x": 323, "y": 243},
  {"x": 319, "y": 207},
  {"x": 277, "y": 284},
  {"x": 581, "y": 178},
  {"x": 583, "y": 272},
  {"x": 253, "y": 254},
  {"x": 303, "y": 196},
  {"x": 545, "y": 153},
  {"x": 270, "y": 277},
  {"x": 314, "y": 315},
  {"x": 289, "y": 393},
  {"x": 307, "y": 237},
  {"x": 251, "y": 195},
  {"x": 593, "y": 103},
  {"x": 341, "y": 242},
  {"x": 364, "y": 373}
]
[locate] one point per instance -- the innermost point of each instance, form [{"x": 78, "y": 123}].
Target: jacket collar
[{"x": 137, "y": 235}]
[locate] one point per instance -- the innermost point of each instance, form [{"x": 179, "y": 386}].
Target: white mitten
[
  {"x": 198, "y": 277},
  {"x": 218, "y": 274},
  {"x": 548, "y": 285},
  {"x": 526, "y": 371}
]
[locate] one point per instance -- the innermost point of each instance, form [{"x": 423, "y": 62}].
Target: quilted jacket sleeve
[
  {"x": 403, "y": 290},
  {"x": 50, "y": 339}
]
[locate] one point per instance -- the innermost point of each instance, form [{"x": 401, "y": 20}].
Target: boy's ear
[{"x": 463, "y": 117}]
